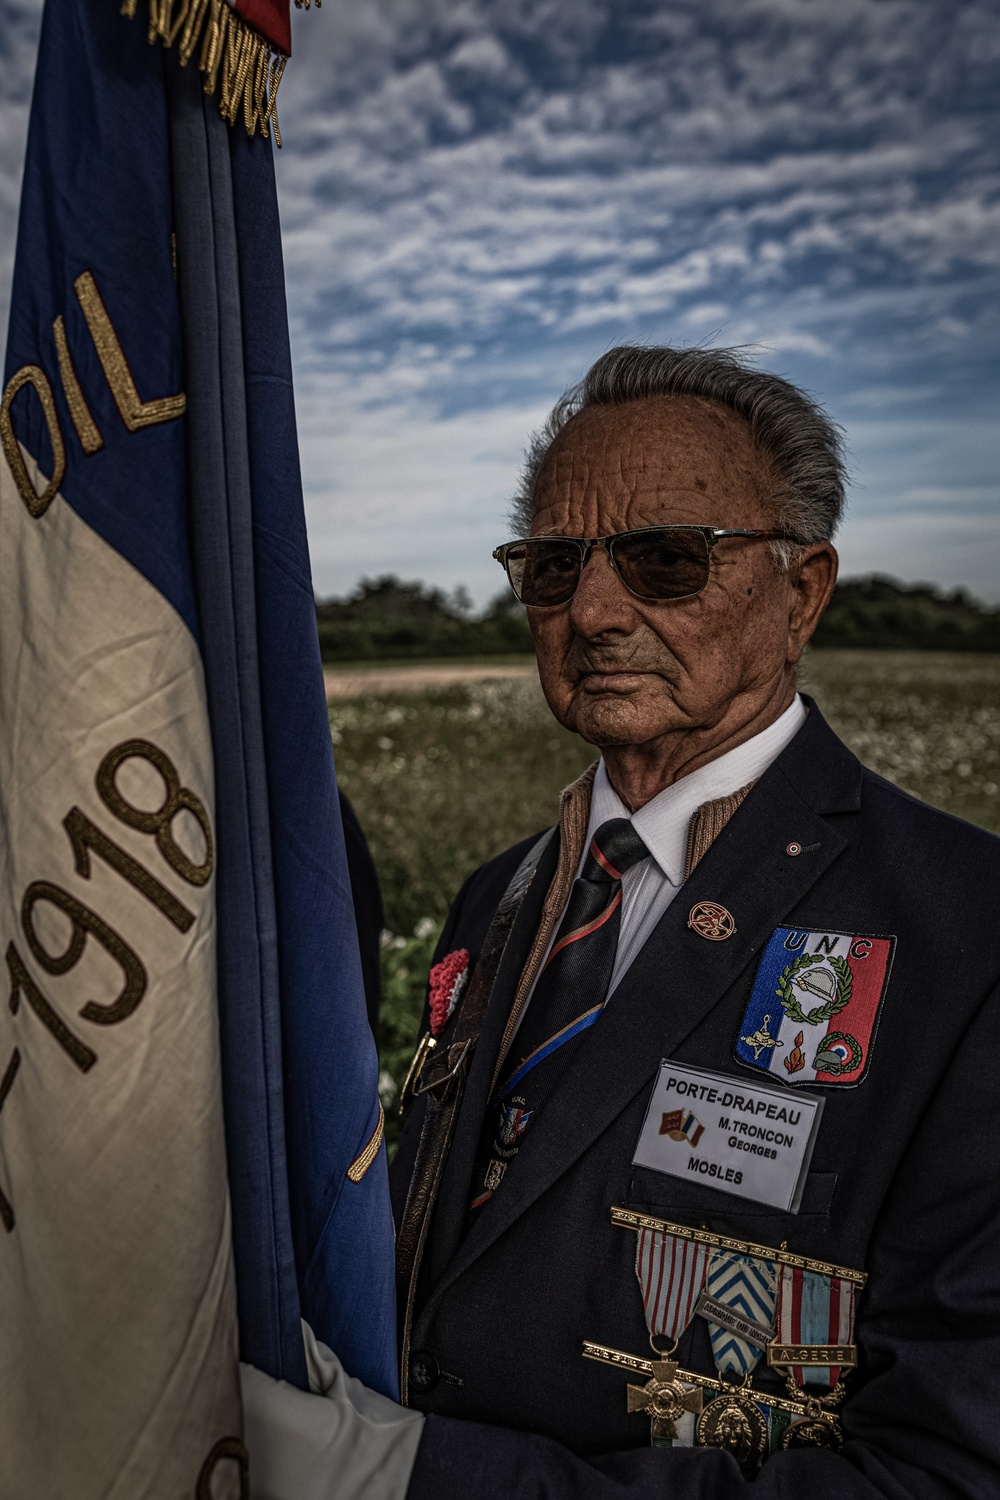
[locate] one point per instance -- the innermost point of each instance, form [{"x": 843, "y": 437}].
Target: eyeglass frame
[{"x": 711, "y": 535}]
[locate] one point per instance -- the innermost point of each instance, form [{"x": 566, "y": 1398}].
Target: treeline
[
  {"x": 880, "y": 612},
  {"x": 386, "y": 618}
]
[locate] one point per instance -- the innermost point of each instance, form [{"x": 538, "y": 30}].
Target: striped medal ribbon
[
  {"x": 739, "y": 1303},
  {"x": 814, "y": 1309},
  {"x": 671, "y": 1273},
  {"x": 671, "y": 1276}
]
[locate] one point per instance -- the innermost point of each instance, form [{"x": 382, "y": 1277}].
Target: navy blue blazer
[{"x": 904, "y": 1181}]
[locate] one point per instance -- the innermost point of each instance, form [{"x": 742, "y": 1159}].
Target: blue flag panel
[{"x": 149, "y": 290}]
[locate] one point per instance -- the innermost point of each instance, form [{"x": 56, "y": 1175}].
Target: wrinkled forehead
[{"x": 652, "y": 461}]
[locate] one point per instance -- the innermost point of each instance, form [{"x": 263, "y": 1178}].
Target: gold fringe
[{"x": 236, "y": 62}]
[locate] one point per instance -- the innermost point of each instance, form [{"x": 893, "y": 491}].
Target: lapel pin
[
  {"x": 796, "y": 848},
  {"x": 710, "y": 920}
]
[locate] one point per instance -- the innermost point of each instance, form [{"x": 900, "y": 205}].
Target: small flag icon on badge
[{"x": 682, "y": 1125}]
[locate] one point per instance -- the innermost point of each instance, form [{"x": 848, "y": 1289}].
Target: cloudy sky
[{"x": 480, "y": 196}]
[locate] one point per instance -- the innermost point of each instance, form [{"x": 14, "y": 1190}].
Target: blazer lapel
[{"x": 679, "y": 976}]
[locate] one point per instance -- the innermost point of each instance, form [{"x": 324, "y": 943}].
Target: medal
[
  {"x": 814, "y": 1432},
  {"x": 754, "y": 1299},
  {"x": 671, "y": 1275},
  {"x": 813, "y": 1346},
  {"x": 664, "y": 1398},
  {"x": 735, "y": 1422},
  {"x": 815, "y": 1324},
  {"x": 734, "y": 1419},
  {"x": 739, "y": 1302}
]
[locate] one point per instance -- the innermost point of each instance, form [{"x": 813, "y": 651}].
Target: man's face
[{"x": 625, "y": 671}]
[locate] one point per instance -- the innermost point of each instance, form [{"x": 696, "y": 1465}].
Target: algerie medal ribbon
[
  {"x": 739, "y": 1303},
  {"x": 815, "y": 1314}
]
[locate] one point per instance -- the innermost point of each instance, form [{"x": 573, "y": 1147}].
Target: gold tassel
[
  {"x": 192, "y": 31},
  {"x": 238, "y": 65}
]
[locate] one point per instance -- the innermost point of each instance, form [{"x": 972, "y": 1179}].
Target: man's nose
[{"x": 601, "y": 602}]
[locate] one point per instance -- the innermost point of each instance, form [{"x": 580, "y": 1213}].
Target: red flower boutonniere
[{"x": 448, "y": 980}]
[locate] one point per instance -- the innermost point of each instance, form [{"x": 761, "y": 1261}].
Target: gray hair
[{"x": 804, "y": 445}]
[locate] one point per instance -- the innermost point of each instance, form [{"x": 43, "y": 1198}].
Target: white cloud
[
  {"x": 478, "y": 196},
  {"x": 399, "y": 489}
]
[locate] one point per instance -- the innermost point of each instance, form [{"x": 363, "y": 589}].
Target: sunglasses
[{"x": 655, "y": 562}]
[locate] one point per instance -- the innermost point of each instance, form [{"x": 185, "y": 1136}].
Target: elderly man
[{"x": 699, "y": 1182}]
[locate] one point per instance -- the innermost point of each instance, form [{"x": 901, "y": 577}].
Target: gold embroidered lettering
[
  {"x": 21, "y": 982},
  {"x": 160, "y": 821},
  {"x": 86, "y": 428},
  {"x": 84, "y": 921},
  {"x": 36, "y": 377},
  {"x": 135, "y": 413},
  {"x": 10, "y": 1073},
  {"x": 359, "y": 1166},
  {"x": 85, "y": 835}
]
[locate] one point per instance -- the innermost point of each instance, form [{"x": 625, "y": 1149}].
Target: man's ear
[{"x": 811, "y": 581}]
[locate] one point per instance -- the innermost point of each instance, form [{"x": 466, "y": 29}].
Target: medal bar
[
  {"x": 625, "y": 1218},
  {"x": 639, "y": 1366},
  {"x": 843, "y": 1356}
]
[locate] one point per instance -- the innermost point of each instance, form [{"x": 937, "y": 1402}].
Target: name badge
[{"x": 752, "y": 1141}]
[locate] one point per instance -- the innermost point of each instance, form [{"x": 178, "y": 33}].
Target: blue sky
[{"x": 480, "y": 196}]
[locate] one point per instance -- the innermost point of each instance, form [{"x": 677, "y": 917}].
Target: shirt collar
[{"x": 663, "y": 822}]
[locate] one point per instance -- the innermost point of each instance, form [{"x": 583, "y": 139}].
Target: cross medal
[{"x": 664, "y": 1398}]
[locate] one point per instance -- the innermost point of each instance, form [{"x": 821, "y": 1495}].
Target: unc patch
[{"x": 813, "y": 1009}]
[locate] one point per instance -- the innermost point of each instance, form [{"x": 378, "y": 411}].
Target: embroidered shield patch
[{"x": 813, "y": 1009}]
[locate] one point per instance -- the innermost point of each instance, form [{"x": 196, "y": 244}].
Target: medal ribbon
[
  {"x": 750, "y": 1288},
  {"x": 671, "y": 1274},
  {"x": 815, "y": 1309}
]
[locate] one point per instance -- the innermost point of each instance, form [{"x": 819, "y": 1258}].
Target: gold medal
[
  {"x": 735, "y": 1422},
  {"x": 664, "y": 1398}
]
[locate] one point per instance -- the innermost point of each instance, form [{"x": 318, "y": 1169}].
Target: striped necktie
[{"x": 568, "y": 998}]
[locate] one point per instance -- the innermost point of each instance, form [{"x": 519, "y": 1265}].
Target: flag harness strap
[{"x": 442, "y": 1077}]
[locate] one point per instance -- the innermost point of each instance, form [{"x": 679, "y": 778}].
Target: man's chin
[{"x": 608, "y": 719}]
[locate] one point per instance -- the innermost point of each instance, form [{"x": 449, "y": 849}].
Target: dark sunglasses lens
[
  {"x": 668, "y": 564},
  {"x": 543, "y": 571}
]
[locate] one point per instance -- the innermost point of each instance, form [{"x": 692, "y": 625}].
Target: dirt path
[{"x": 363, "y": 684}]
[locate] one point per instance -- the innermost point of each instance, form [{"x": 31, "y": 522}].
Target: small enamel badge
[
  {"x": 814, "y": 1006},
  {"x": 710, "y": 920},
  {"x": 447, "y": 981}
]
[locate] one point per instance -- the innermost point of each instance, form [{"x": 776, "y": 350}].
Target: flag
[
  {"x": 185, "y": 999},
  {"x": 682, "y": 1125}
]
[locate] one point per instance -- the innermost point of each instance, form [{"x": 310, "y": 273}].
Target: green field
[{"x": 443, "y": 780}]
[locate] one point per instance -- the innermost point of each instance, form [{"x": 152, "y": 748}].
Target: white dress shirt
[{"x": 649, "y": 886}]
